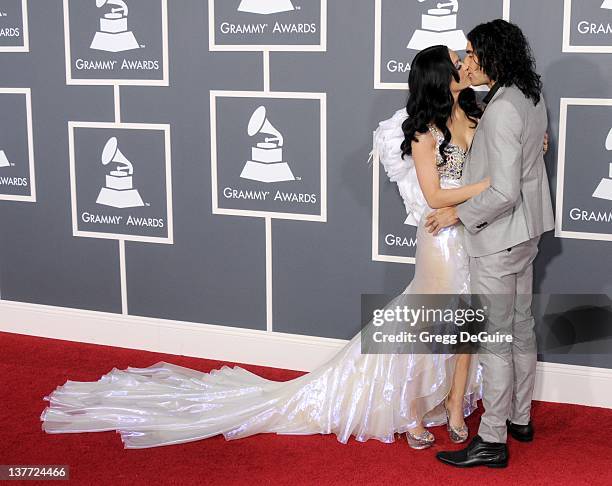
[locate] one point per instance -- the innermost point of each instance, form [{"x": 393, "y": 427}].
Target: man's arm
[{"x": 504, "y": 149}]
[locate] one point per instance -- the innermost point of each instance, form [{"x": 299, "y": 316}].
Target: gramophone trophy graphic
[
  {"x": 439, "y": 26},
  {"x": 4, "y": 162},
  {"x": 604, "y": 189},
  {"x": 607, "y": 4},
  {"x": 267, "y": 157},
  {"x": 114, "y": 35},
  {"x": 119, "y": 192},
  {"x": 265, "y": 7}
]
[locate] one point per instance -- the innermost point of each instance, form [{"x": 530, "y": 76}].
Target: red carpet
[{"x": 573, "y": 443}]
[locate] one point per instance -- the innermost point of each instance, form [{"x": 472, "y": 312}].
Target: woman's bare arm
[{"x": 423, "y": 153}]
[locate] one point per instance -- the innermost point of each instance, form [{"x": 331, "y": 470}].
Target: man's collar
[{"x": 491, "y": 93}]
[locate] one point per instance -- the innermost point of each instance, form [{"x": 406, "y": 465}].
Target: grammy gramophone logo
[
  {"x": 114, "y": 35},
  {"x": 266, "y": 164},
  {"x": 439, "y": 26},
  {"x": 4, "y": 161},
  {"x": 604, "y": 189},
  {"x": 607, "y": 4},
  {"x": 119, "y": 191},
  {"x": 265, "y": 7}
]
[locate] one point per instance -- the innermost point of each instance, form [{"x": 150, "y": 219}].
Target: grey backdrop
[{"x": 215, "y": 270}]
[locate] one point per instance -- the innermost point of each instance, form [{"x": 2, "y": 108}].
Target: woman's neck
[{"x": 456, "y": 112}]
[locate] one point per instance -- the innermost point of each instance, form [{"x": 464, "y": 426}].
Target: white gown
[{"x": 353, "y": 394}]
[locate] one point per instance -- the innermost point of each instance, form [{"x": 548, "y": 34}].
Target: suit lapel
[{"x": 495, "y": 96}]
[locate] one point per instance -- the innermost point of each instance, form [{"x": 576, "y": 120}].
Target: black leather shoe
[
  {"x": 478, "y": 453},
  {"x": 524, "y": 433}
]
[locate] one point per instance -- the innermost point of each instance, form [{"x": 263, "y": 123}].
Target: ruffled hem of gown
[{"x": 166, "y": 404}]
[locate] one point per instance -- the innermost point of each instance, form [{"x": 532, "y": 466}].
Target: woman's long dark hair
[
  {"x": 431, "y": 100},
  {"x": 505, "y": 56}
]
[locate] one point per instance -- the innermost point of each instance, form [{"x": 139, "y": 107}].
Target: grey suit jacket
[{"x": 507, "y": 147}]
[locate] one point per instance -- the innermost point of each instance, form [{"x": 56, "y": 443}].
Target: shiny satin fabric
[{"x": 353, "y": 394}]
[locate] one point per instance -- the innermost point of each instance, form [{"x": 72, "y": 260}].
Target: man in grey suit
[{"x": 503, "y": 226}]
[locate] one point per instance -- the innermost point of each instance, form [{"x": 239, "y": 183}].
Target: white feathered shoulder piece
[{"x": 387, "y": 145}]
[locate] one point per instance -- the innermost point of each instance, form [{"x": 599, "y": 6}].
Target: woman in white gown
[{"x": 353, "y": 394}]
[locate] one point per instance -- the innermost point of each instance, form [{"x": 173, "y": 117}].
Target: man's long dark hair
[
  {"x": 431, "y": 100},
  {"x": 505, "y": 56}
]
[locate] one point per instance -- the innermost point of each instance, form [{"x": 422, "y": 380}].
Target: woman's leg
[{"x": 454, "y": 400}]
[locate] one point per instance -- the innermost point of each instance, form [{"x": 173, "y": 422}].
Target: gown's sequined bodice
[{"x": 455, "y": 158}]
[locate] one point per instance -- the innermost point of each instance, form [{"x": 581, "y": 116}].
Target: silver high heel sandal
[
  {"x": 420, "y": 441},
  {"x": 456, "y": 434}
]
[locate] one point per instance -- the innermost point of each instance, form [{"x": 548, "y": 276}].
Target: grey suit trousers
[{"x": 505, "y": 282}]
